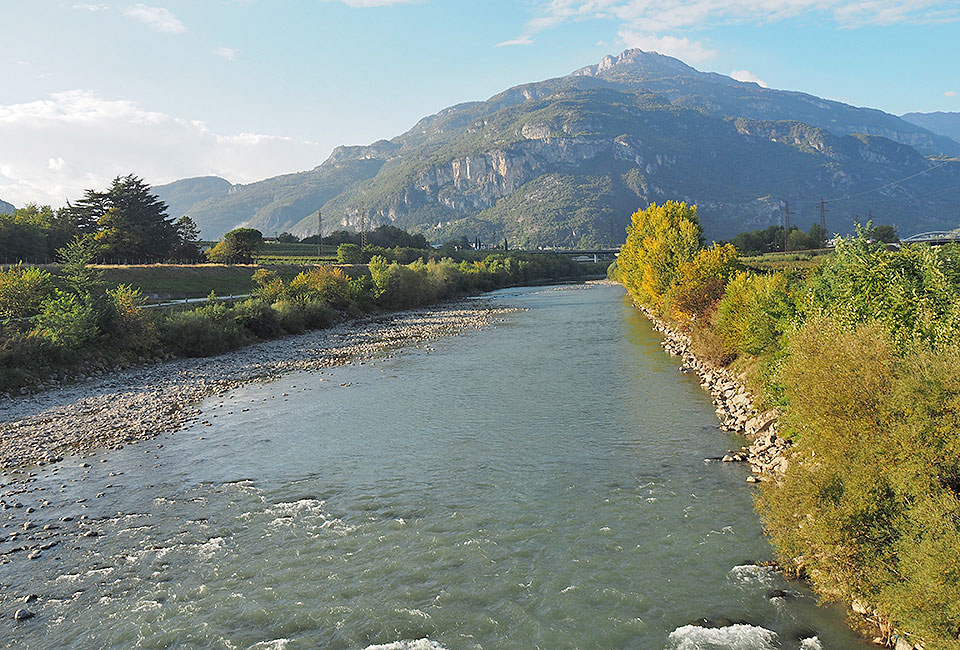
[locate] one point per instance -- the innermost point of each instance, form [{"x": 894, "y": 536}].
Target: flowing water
[{"x": 543, "y": 483}]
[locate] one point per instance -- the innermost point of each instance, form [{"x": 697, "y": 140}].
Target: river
[{"x": 543, "y": 483}]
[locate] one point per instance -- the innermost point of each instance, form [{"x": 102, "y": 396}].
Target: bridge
[
  {"x": 934, "y": 237},
  {"x": 596, "y": 254}
]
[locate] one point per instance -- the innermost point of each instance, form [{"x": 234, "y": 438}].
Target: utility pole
[
  {"x": 786, "y": 224},
  {"x": 319, "y": 234}
]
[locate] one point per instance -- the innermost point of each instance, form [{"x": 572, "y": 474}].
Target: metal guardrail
[{"x": 189, "y": 301}]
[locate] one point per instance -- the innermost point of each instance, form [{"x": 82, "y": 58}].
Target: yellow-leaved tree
[{"x": 659, "y": 239}]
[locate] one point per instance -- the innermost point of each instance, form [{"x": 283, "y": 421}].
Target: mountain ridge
[
  {"x": 566, "y": 160},
  {"x": 944, "y": 123}
]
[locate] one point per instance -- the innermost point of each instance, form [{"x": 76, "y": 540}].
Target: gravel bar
[{"x": 145, "y": 401}]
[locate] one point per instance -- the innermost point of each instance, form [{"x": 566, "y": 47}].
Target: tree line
[
  {"x": 861, "y": 357},
  {"x": 123, "y": 222},
  {"x": 51, "y": 325}
]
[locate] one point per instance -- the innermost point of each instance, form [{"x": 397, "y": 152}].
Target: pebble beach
[{"x": 142, "y": 402}]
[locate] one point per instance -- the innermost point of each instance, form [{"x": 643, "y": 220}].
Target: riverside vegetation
[
  {"x": 860, "y": 357},
  {"x": 56, "y": 325}
]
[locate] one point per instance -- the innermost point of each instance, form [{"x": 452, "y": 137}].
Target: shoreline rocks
[
  {"x": 766, "y": 454},
  {"x": 735, "y": 408}
]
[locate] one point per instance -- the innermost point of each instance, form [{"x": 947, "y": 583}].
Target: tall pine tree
[{"x": 129, "y": 222}]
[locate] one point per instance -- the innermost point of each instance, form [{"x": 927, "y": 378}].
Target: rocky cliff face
[
  {"x": 565, "y": 161},
  {"x": 6, "y": 208}
]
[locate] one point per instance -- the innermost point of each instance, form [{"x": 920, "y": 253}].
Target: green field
[
  {"x": 168, "y": 281},
  {"x": 801, "y": 261}
]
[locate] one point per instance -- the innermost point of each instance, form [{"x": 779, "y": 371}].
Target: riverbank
[
  {"x": 767, "y": 452},
  {"x": 142, "y": 402}
]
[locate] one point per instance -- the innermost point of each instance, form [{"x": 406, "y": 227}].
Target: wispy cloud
[
  {"x": 522, "y": 40},
  {"x": 746, "y": 75},
  {"x": 681, "y": 48},
  {"x": 86, "y": 6},
  {"x": 227, "y": 53},
  {"x": 645, "y": 16},
  {"x": 373, "y": 3},
  {"x": 950, "y": 93},
  {"x": 59, "y": 146},
  {"x": 158, "y": 19}
]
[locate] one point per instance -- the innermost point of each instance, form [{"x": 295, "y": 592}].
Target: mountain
[
  {"x": 722, "y": 95},
  {"x": 946, "y": 124},
  {"x": 6, "y": 208},
  {"x": 182, "y": 196},
  {"x": 563, "y": 162}
]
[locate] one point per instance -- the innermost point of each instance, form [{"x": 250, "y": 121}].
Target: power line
[{"x": 882, "y": 187}]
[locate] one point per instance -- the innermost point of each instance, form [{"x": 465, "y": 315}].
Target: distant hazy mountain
[
  {"x": 565, "y": 161},
  {"x": 947, "y": 124},
  {"x": 181, "y": 196},
  {"x": 6, "y": 208}
]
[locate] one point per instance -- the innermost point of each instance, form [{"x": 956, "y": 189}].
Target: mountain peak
[{"x": 636, "y": 61}]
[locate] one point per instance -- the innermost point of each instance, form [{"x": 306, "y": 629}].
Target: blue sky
[{"x": 247, "y": 89}]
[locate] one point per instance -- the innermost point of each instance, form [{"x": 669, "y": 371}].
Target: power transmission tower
[
  {"x": 363, "y": 225},
  {"x": 786, "y": 223},
  {"x": 319, "y": 234},
  {"x": 823, "y": 222}
]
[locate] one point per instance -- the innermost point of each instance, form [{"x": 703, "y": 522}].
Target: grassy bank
[
  {"x": 858, "y": 351},
  {"x": 81, "y": 321}
]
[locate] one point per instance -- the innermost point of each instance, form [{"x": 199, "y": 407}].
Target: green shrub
[
  {"x": 129, "y": 327},
  {"x": 257, "y": 317},
  {"x": 322, "y": 284},
  {"x": 869, "y": 505},
  {"x": 67, "y": 320},
  {"x": 350, "y": 254},
  {"x": 202, "y": 332},
  {"x": 699, "y": 283},
  {"x": 290, "y": 316},
  {"x": 755, "y": 312},
  {"x": 25, "y": 358},
  {"x": 23, "y": 290}
]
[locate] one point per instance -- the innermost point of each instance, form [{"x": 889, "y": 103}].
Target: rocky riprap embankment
[
  {"x": 139, "y": 403},
  {"x": 766, "y": 453},
  {"x": 735, "y": 408}
]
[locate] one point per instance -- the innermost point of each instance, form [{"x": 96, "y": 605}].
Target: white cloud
[
  {"x": 57, "y": 147},
  {"x": 681, "y": 48},
  {"x": 156, "y": 18},
  {"x": 746, "y": 75},
  {"x": 227, "y": 53},
  {"x": 521, "y": 40},
  {"x": 950, "y": 93},
  {"x": 90, "y": 7},
  {"x": 649, "y": 17},
  {"x": 373, "y": 3}
]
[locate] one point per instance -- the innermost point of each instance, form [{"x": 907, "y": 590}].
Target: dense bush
[
  {"x": 203, "y": 331},
  {"x": 755, "y": 312},
  {"x": 862, "y": 357},
  {"x": 869, "y": 505},
  {"x": 23, "y": 290},
  {"x": 258, "y": 318},
  {"x": 83, "y": 322},
  {"x": 700, "y": 282}
]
